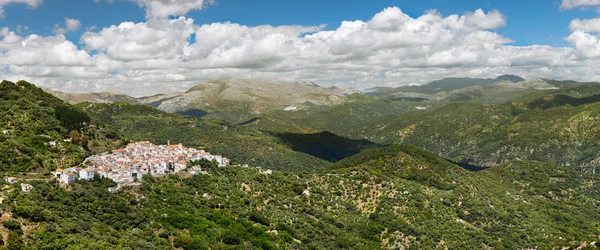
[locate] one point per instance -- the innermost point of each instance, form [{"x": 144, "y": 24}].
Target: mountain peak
[{"x": 510, "y": 78}]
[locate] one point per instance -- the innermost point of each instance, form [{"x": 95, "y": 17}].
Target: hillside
[
  {"x": 231, "y": 99},
  {"x": 558, "y": 128},
  {"x": 39, "y": 132},
  {"x": 488, "y": 135},
  {"x": 394, "y": 197},
  {"x": 103, "y": 97},
  {"x": 238, "y": 99},
  {"x": 357, "y": 109},
  {"x": 473, "y": 90},
  {"x": 240, "y": 144}
]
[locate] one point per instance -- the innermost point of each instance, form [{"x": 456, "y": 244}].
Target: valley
[{"x": 366, "y": 172}]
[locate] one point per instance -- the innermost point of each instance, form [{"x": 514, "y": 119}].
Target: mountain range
[{"x": 351, "y": 171}]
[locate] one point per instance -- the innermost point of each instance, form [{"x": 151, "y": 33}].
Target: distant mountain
[
  {"x": 229, "y": 99},
  {"x": 238, "y": 99},
  {"x": 505, "y": 88},
  {"x": 102, "y": 97},
  {"x": 509, "y": 78}
]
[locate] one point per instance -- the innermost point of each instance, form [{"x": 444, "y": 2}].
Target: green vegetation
[
  {"x": 398, "y": 196},
  {"x": 238, "y": 143},
  {"x": 325, "y": 145},
  {"x": 34, "y": 125},
  {"x": 560, "y": 129}
]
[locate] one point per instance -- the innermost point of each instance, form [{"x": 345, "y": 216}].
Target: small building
[
  {"x": 10, "y": 180},
  {"x": 68, "y": 178},
  {"x": 86, "y": 174},
  {"x": 114, "y": 189},
  {"x": 265, "y": 172},
  {"x": 52, "y": 144},
  {"x": 57, "y": 173},
  {"x": 196, "y": 170},
  {"x": 26, "y": 187}
]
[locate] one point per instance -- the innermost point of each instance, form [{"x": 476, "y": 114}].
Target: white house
[
  {"x": 10, "y": 180},
  {"x": 86, "y": 174},
  {"x": 26, "y": 187},
  {"x": 196, "y": 170},
  {"x": 57, "y": 173},
  {"x": 68, "y": 178},
  {"x": 52, "y": 144}
]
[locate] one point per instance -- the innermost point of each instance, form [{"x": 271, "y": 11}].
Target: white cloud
[
  {"x": 166, "y": 8},
  {"x": 70, "y": 25},
  {"x": 391, "y": 48},
  {"x": 570, "y": 4},
  {"x": 155, "y": 39},
  {"x": 29, "y": 3},
  {"x": 587, "y": 45},
  {"x": 587, "y": 25}
]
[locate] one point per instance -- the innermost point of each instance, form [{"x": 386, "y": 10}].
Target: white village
[{"x": 127, "y": 165}]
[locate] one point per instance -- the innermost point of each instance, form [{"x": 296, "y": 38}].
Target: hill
[
  {"x": 558, "y": 128},
  {"x": 473, "y": 90},
  {"x": 231, "y": 99},
  {"x": 102, "y": 97},
  {"x": 240, "y": 144},
  {"x": 394, "y": 197},
  {"x": 325, "y": 145},
  {"x": 39, "y": 132},
  {"x": 238, "y": 99},
  {"x": 357, "y": 109}
]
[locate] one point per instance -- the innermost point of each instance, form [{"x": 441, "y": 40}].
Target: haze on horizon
[{"x": 159, "y": 46}]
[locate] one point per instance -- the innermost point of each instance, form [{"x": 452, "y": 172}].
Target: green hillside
[
  {"x": 557, "y": 128},
  {"x": 32, "y": 121},
  {"x": 240, "y": 144},
  {"x": 487, "y": 135},
  {"x": 394, "y": 197}
]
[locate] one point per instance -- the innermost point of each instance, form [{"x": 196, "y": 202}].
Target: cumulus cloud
[
  {"x": 29, "y": 3},
  {"x": 584, "y": 38},
  {"x": 391, "y": 48},
  {"x": 166, "y": 8},
  {"x": 586, "y": 25},
  {"x": 155, "y": 39},
  {"x": 570, "y": 4},
  {"x": 70, "y": 25}
]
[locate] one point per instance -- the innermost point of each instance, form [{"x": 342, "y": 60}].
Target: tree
[{"x": 14, "y": 241}]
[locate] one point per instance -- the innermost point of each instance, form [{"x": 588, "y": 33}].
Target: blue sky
[
  {"x": 529, "y": 21},
  {"x": 144, "y": 47}
]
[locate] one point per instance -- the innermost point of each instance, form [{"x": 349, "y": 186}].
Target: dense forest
[
  {"x": 559, "y": 128},
  {"x": 39, "y": 132},
  {"x": 358, "y": 195},
  {"x": 381, "y": 198}
]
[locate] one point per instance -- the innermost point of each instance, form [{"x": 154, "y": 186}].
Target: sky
[{"x": 144, "y": 47}]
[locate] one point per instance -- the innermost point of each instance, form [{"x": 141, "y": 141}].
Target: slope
[
  {"x": 41, "y": 132},
  {"x": 238, "y": 99},
  {"x": 241, "y": 144},
  {"x": 561, "y": 129},
  {"x": 394, "y": 197}
]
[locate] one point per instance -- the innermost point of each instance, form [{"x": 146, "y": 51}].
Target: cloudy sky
[{"x": 144, "y": 47}]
